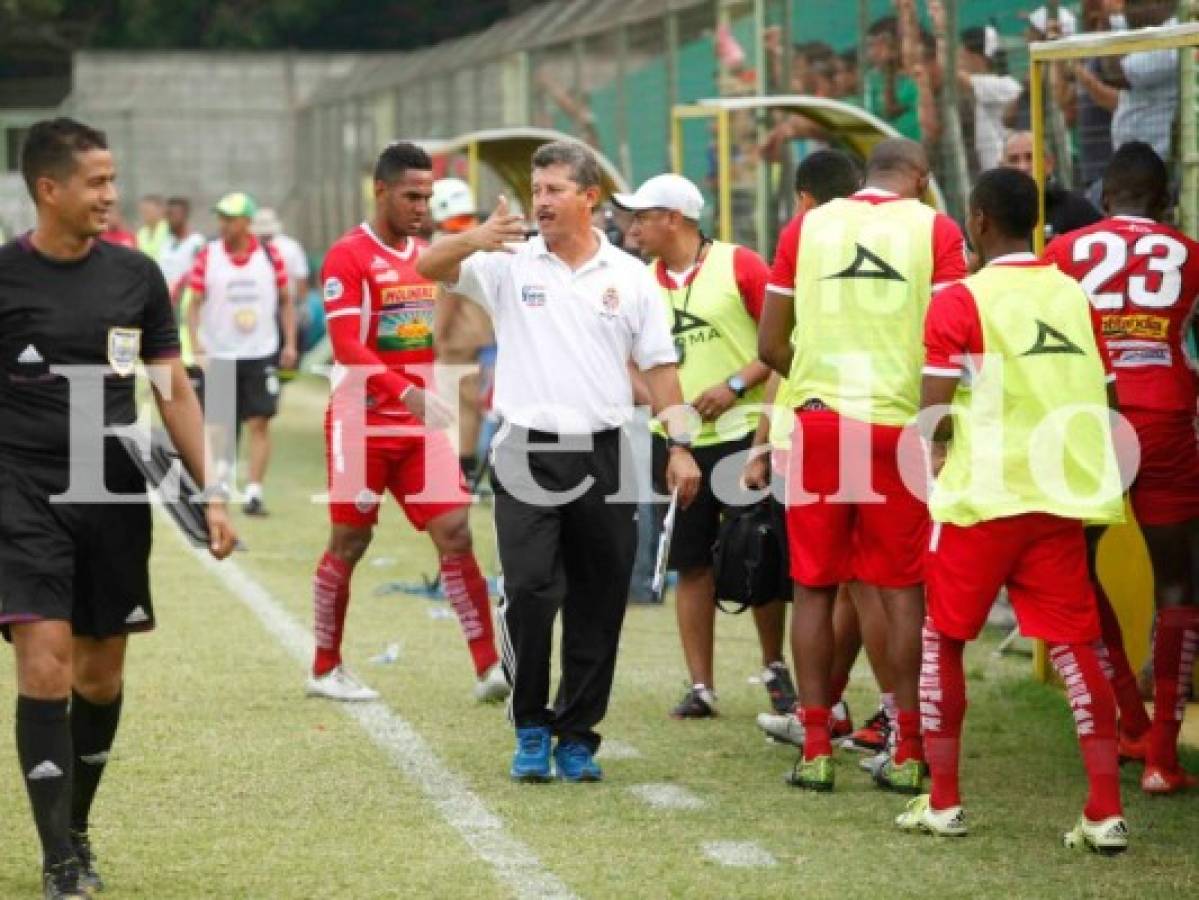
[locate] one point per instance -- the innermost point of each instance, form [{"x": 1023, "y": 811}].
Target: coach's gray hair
[{"x": 584, "y": 167}]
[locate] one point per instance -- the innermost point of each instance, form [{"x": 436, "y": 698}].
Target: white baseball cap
[
  {"x": 451, "y": 197},
  {"x": 665, "y": 192}
]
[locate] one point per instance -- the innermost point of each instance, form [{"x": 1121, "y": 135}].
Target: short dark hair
[
  {"x": 828, "y": 174},
  {"x": 1008, "y": 198},
  {"x": 398, "y": 158},
  {"x": 1136, "y": 175},
  {"x": 50, "y": 148},
  {"x": 584, "y": 167},
  {"x": 153, "y": 198},
  {"x": 886, "y": 26},
  {"x": 180, "y": 201}
]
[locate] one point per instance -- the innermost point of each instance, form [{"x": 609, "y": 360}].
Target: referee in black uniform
[
  {"x": 570, "y": 312},
  {"x": 74, "y": 575}
]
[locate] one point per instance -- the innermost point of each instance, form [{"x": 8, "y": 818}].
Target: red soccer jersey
[
  {"x": 379, "y": 311},
  {"x": 1143, "y": 280}
]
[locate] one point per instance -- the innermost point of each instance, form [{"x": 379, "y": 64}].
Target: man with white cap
[
  {"x": 240, "y": 293},
  {"x": 268, "y": 228},
  {"x": 714, "y": 292}
]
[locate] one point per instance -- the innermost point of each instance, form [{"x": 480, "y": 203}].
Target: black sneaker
[
  {"x": 255, "y": 507},
  {"x": 89, "y": 877},
  {"x": 62, "y": 882},
  {"x": 872, "y": 737},
  {"x": 697, "y": 703},
  {"x": 779, "y": 687}
]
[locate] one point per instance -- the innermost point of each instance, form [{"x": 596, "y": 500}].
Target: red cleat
[
  {"x": 1157, "y": 780},
  {"x": 871, "y": 737},
  {"x": 1133, "y": 749}
]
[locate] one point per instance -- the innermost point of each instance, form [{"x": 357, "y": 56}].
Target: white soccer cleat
[
  {"x": 493, "y": 687},
  {"x": 1107, "y": 837},
  {"x": 785, "y": 729},
  {"x": 919, "y": 815},
  {"x": 339, "y": 684}
]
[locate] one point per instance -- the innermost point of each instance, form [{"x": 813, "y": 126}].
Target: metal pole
[
  {"x": 1188, "y": 131},
  {"x": 724, "y": 174},
  {"x": 953, "y": 145},
  {"x": 1037, "y": 119},
  {"x": 762, "y": 179},
  {"x": 864, "y": 26},
  {"x": 676, "y": 141}
]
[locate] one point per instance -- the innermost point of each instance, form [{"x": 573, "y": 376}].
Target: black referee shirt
[{"x": 109, "y": 309}]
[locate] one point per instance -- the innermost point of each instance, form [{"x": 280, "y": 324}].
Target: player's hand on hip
[
  {"x": 714, "y": 402},
  {"x": 756, "y": 473},
  {"x": 222, "y": 537},
  {"x": 434, "y": 412},
  {"x": 683, "y": 474},
  {"x": 501, "y": 229}
]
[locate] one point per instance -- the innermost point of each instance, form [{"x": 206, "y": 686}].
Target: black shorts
[
  {"x": 81, "y": 562},
  {"x": 696, "y": 526},
  {"x": 256, "y": 383}
]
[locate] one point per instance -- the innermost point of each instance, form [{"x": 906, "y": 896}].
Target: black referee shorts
[
  {"x": 83, "y": 563},
  {"x": 695, "y": 527},
  {"x": 256, "y": 382}
]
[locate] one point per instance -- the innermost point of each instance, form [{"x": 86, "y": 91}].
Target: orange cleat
[{"x": 1157, "y": 780}]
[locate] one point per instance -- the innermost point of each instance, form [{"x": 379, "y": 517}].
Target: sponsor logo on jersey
[
  {"x": 532, "y": 296},
  {"x": 611, "y": 301},
  {"x": 124, "y": 348},
  {"x": 867, "y": 265},
  {"x": 1133, "y": 354},
  {"x": 334, "y": 289},
  {"x": 424, "y": 294},
  {"x": 1136, "y": 326},
  {"x": 1050, "y": 340}
]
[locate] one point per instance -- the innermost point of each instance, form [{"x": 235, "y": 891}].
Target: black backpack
[{"x": 750, "y": 559}]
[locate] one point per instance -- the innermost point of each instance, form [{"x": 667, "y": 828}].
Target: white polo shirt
[{"x": 565, "y": 337}]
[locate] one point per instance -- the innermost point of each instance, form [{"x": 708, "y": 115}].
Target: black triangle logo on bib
[
  {"x": 1050, "y": 340},
  {"x": 868, "y": 265},
  {"x": 685, "y": 321}
]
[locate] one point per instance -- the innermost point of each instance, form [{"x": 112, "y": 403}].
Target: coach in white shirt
[{"x": 570, "y": 312}]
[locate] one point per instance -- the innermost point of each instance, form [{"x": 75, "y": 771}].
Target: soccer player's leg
[
  {"x": 1165, "y": 498},
  {"x": 1050, "y": 590},
  {"x": 889, "y": 543},
  {"x": 1175, "y": 644},
  {"x": 355, "y": 484},
  {"x": 1134, "y": 721},
  {"x": 875, "y": 734},
  {"x": 818, "y": 535},
  {"x": 965, "y": 568},
  {"x": 427, "y": 482}
]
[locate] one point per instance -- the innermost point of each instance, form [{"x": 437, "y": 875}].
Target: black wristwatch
[
  {"x": 736, "y": 384},
  {"x": 683, "y": 443}
]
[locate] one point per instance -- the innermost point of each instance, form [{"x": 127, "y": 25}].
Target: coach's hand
[
  {"x": 501, "y": 229},
  {"x": 715, "y": 402},
  {"x": 288, "y": 357},
  {"x": 434, "y": 412},
  {"x": 682, "y": 474},
  {"x": 756, "y": 474},
  {"x": 222, "y": 537}
]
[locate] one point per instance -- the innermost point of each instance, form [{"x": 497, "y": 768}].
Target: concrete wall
[{"x": 201, "y": 124}]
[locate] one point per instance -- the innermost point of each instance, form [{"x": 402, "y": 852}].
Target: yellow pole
[
  {"x": 472, "y": 168},
  {"x": 724, "y": 174},
  {"x": 1037, "y": 114},
  {"x": 676, "y": 141}
]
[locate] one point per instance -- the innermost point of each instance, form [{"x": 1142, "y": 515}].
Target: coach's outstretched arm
[{"x": 440, "y": 262}]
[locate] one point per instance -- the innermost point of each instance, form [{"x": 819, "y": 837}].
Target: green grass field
[{"x": 227, "y": 782}]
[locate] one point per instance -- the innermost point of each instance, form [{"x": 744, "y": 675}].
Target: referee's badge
[{"x": 124, "y": 348}]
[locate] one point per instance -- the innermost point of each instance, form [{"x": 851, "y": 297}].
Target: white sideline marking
[
  {"x": 667, "y": 796},
  {"x": 739, "y": 854},
  {"x": 611, "y": 749},
  {"x": 513, "y": 862}
]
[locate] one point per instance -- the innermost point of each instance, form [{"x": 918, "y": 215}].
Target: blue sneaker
[
  {"x": 531, "y": 762},
  {"x": 575, "y": 762}
]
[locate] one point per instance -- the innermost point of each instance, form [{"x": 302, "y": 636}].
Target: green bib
[
  {"x": 716, "y": 337},
  {"x": 862, "y": 284},
  {"x": 1030, "y": 429}
]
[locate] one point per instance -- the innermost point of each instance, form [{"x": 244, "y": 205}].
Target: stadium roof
[{"x": 544, "y": 25}]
